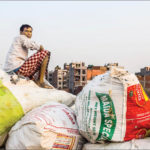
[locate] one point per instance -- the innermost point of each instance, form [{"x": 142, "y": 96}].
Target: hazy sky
[{"x": 95, "y": 32}]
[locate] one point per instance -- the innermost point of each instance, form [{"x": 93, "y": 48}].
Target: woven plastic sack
[
  {"x": 51, "y": 126},
  {"x": 113, "y": 107}
]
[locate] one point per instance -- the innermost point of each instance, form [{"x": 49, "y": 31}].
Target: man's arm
[{"x": 30, "y": 44}]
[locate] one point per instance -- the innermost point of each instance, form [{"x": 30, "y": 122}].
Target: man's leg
[
  {"x": 36, "y": 63},
  {"x": 43, "y": 69},
  {"x": 40, "y": 82}
]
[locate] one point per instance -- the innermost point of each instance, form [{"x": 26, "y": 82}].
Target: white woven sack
[
  {"x": 102, "y": 105},
  {"x": 51, "y": 126}
]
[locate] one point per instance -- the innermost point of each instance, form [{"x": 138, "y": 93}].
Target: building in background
[
  {"x": 59, "y": 78},
  {"x": 74, "y": 76},
  {"x": 93, "y": 71},
  {"x": 77, "y": 77},
  {"x": 109, "y": 65},
  {"x": 66, "y": 66},
  {"x": 144, "y": 71},
  {"x": 144, "y": 78},
  {"x": 50, "y": 77}
]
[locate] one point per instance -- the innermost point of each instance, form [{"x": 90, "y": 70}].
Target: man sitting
[{"x": 34, "y": 67}]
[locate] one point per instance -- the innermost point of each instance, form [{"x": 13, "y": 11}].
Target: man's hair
[{"x": 25, "y": 26}]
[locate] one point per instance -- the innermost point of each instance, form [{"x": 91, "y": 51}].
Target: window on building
[
  {"x": 77, "y": 72},
  {"x": 83, "y": 78},
  {"x": 83, "y": 71},
  {"x": 77, "y": 65},
  {"x": 83, "y": 84},
  {"x": 77, "y": 78}
]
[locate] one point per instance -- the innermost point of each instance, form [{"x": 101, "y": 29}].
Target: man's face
[{"x": 27, "y": 32}]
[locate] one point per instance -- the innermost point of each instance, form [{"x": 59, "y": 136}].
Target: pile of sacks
[
  {"x": 36, "y": 118},
  {"x": 114, "y": 111},
  {"x": 111, "y": 112}
]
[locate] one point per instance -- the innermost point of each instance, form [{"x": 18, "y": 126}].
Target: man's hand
[{"x": 41, "y": 48}]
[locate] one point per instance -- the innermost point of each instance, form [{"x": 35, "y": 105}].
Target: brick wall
[
  {"x": 145, "y": 82},
  {"x": 94, "y": 72}
]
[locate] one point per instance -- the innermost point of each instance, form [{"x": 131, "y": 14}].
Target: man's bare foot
[{"x": 43, "y": 85}]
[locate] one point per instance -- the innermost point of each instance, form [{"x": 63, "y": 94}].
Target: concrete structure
[
  {"x": 60, "y": 79},
  {"x": 66, "y": 66},
  {"x": 109, "y": 65},
  {"x": 145, "y": 82},
  {"x": 77, "y": 76},
  {"x": 93, "y": 71},
  {"x": 144, "y": 78},
  {"x": 144, "y": 71},
  {"x": 50, "y": 77}
]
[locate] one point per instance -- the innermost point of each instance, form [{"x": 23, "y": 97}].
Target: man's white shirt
[{"x": 18, "y": 52}]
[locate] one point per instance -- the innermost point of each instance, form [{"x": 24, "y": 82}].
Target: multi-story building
[
  {"x": 144, "y": 78},
  {"x": 50, "y": 77},
  {"x": 77, "y": 76},
  {"x": 66, "y": 66},
  {"x": 60, "y": 78},
  {"x": 144, "y": 71}
]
